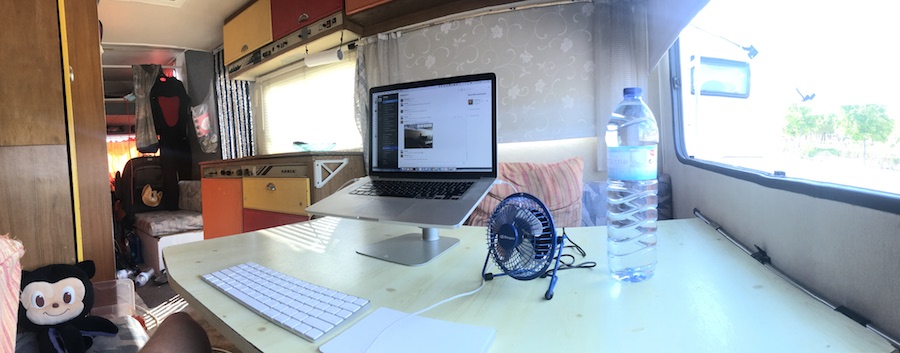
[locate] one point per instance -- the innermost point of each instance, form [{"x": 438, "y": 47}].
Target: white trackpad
[{"x": 409, "y": 334}]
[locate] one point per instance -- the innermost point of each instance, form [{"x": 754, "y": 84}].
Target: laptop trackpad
[{"x": 380, "y": 208}]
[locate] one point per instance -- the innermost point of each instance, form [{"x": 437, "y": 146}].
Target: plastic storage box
[{"x": 114, "y": 298}]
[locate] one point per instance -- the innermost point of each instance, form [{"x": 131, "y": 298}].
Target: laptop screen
[{"x": 440, "y": 128}]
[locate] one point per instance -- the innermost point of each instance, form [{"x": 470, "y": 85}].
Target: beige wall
[{"x": 846, "y": 254}]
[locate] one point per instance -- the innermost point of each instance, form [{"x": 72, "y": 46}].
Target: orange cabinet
[
  {"x": 253, "y": 193},
  {"x": 291, "y": 15},
  {"x": 222, "y": 205}
]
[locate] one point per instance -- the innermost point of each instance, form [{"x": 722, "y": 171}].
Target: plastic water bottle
[
  {"x": 143, "y": 277},
  {"x": 631, "y": 139}
]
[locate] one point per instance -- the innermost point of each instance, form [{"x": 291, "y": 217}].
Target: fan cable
[{"x": 567, "y": 261}]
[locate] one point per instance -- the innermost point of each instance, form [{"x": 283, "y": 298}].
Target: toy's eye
[
  {"x": 68, "y": 295},
  {"x": 37, "y": 299}
]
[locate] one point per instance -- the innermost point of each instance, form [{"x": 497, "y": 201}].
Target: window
[
  {"x": 800, "y": 90},
  {"x": 308, "y": 108}
]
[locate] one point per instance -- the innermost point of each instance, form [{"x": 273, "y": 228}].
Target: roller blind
[{"x": 308, "y": 105}]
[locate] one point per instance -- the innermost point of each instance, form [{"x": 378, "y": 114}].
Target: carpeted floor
[{"x": 156, "y": 302}]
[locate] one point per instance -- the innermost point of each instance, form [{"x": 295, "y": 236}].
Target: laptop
[{"x": 438, "y": 130}]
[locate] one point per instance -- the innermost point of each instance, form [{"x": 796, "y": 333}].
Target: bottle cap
[{"x": 632, "y": 91}]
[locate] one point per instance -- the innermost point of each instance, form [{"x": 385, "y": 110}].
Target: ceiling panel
[
  {"x": 117, "y": 61},
  {"x": 196, "y": 25},
  {"x": 155, "y": 32}
]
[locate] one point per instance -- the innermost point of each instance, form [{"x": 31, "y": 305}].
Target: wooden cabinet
[
  {"x": 268, "y": 191},
  {"x": 284, "y": 195},
  {"x": 256, "y": 219},
  {"x": 222, "y": 205},
  {"x": 55, "y": 191},
  {"x": 354, "y": 6},
  {"x": 247, "y": 31},
  {"x": 272, "y": 202},
  {"x": 291, "y": 15},
  {"x": 377, "y": 16}
]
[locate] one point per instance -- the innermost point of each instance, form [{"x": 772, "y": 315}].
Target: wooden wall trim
[{"x": 87, "y": 131}]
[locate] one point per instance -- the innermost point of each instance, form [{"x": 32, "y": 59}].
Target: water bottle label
[{"x": 632, "y": 162}]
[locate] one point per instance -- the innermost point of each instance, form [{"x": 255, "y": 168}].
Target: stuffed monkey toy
[{"x": 56, "y": 302}]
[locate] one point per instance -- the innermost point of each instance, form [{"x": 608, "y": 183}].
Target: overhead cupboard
[
  {"x": 266, "y": 35},
  {"x": 248, "y": 31},
  {"x": 377, "y": 16},
  {"x": 289, "y": 16}
]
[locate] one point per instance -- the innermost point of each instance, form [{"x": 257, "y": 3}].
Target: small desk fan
[{"x": 522, "y": 240}]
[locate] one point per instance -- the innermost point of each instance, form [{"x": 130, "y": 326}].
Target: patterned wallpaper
[{"x": 543, "y": 58}]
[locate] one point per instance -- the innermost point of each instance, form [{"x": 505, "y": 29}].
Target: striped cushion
[
  {"x": 10, "y": 276},
  {"x": 558, "y": 185}
]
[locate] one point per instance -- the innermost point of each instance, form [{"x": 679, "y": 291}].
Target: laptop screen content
[{"x": 443, "y": 128}]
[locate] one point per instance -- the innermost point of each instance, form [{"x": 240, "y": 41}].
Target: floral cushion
[{"x": 558, "y": 185}]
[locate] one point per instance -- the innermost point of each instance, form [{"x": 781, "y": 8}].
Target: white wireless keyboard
[{"x": 308, "y": 310}]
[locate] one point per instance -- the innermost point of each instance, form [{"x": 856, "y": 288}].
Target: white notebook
[{"x": 410, "y": 334}]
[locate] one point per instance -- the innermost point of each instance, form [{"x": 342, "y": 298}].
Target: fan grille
[{"x": 521, "y": 237}]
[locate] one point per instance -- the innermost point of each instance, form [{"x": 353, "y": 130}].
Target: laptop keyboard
[
  {"x": 436, "y": 190},
  {"x": 305, "y": 309}
]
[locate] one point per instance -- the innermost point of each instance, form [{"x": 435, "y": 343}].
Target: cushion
[
  {"x": 10, "y": 279},
  {"x": 189, "y": 195},
  {"x": 558, "y": 185},
  {"x": 160, "y": 223}
]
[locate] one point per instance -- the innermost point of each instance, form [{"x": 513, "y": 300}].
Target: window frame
[{"x": 873, "y": 199}]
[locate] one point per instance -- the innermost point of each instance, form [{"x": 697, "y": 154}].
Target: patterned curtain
[{"x": 235, "y": 117}]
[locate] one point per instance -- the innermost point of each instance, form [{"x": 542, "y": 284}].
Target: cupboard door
[
  {"x": 36, "y": 201},
  {"x": 256, "y": 220},
  {"x": 222, "y": 205},
  {"x": 284, "y": 195},
  {"x": 248, "y": 31},
  {"x": 291, "y": 15},
  {"x": 31, "y": 97},
  {"x": 89, "y": 139}
]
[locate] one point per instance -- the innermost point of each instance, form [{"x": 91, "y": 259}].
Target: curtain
[
  {"x": 630, "y": 38},
  {"x": 234, "y": 111},
  {"x": 620, "y": 59},
  {"x": 665, "y": 20},
  {"x": 145, "y": 131},
  {"x": 377, "y": 64}
]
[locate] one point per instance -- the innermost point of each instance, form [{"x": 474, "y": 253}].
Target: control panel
[
  {"x": 250, "y": 171},
  {"x": 291, "y": 43},
  {"x": 277, "y": 171},
  {"x": 224, "y": 171}
]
